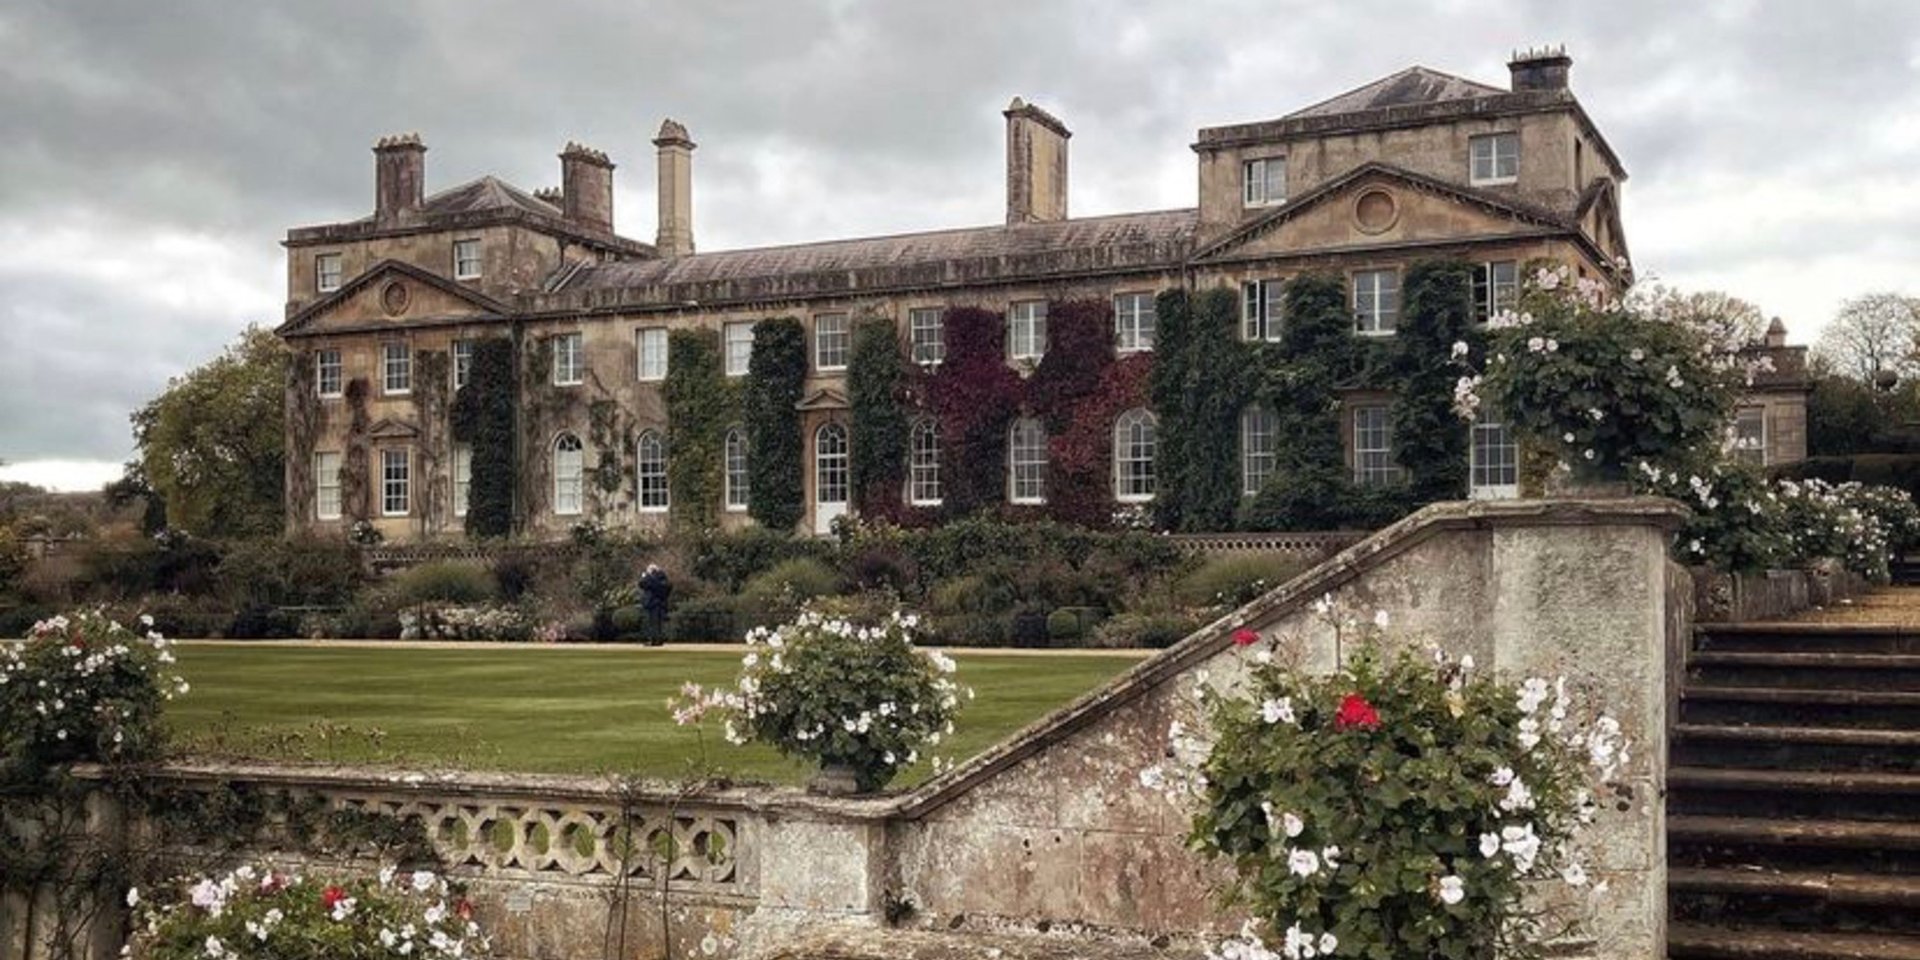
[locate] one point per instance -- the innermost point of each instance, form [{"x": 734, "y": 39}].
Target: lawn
[{"x": 543, "y": 710}]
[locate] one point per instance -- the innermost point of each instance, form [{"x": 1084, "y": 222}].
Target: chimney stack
[
  {"x": 1776, "y": 334},
  {"x": 399, "y": 176},
  {"x": 1543, "y": 69},
  {"x": 1036, "y": 164},
  {"x": 675, "y": 163},
  {"x": 586, "y": 187}
]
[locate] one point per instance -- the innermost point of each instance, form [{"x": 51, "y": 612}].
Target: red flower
[
  {"x": 331, "y": 896},
  {"x": 1355, "y": 711},
  {"x": 464, "y": 909},
  {"x": 1244, "y": 637}
]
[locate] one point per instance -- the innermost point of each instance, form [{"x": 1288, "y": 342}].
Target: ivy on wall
[
  {"x": 699, "y": 406},
  {"x": 877, "y": 379},
  {"x": 1069, "y": 393},
  {"x": 776, "y": 375},
  {"x": 304, "y": 419},
  {"x": 1437, "y": 312},
  {"x": 1166, "y": 390},
  {"x": 974, "y": 396},
  {"x": 483, "y": 420},
  {"x": 612, "y": 439},
  {"x": 432, "y": 381},
  {"x": 1198, "y": 387},
  {"x": 355, "y": 500}
]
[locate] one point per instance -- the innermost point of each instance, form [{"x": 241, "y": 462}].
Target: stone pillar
[
  {"x": 1036, "y": 164},
  {"x": 675, "y": 237},
  {"x": 586, "y": 187}
]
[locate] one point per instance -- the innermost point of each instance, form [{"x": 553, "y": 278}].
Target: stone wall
[{"x": 1047, "y": 845}]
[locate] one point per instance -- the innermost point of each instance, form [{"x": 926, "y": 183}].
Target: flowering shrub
[
  {"x": 1841, "y": 521},
  {"x": 1402, "y": 807},
  {"x": 1739, "y": 522},
  {"x": 847, "y": 691},
  {"x": 489, "y": 621},
  {"x": 83, "y": 688},
  {"x": 256, "y": 912},
  {"x": 1607, "y": 381}
]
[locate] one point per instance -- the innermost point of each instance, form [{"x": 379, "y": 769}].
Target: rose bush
[
  {"x": 83, "y": 688},
  {"x": 1740, "y": 522},
  {"x": 851, "y": 691},
  {"x": 258, "y": 913},
  {"x": 1407, "y": 806}
]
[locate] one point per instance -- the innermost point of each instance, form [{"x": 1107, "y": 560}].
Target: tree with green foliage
[
  {"x": 698, "y": 409},
  {"x": 132, "y": 488},
  {"x": 1430, "y": 442},
  {"x": 876, "y": 389},
  {"x": 483, "y": 421},
  {"x": 213, "y": 445},
  {"x": 776, "y": 376}
]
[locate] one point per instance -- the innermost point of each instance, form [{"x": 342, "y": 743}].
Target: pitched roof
[
  {"x": 386, "y": 268},
  {"x": 1414, "y": 85},
  {"x": 1141, "y": 232},
  {"x": 487, "y": 193}
]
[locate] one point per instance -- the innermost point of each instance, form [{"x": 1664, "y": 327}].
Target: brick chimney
[
  {"x": 675, "y": 164},
  {"x": 1036, "y": 164},
  {"x": 1543, "y": 69},
  {"x": 399, "y": 176},
  {"x": 586, "y": 187}
]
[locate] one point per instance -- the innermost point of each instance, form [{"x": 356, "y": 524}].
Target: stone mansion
[{"x": 1416, "y": 165}]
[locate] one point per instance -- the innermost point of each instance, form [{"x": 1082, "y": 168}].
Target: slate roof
[
  {"x": 486, "y": 193},
  {"x": 478, "y": 202},
  {"x": 1414, "y": 85},
  {"x": 1149, "y": 234}
]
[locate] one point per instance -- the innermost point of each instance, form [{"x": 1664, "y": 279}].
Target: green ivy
[
  {"x": 876, "y": 389},
  {"x": 1309, "y": 486},
  {"x": 699, "y": 405},
  {"x": 1166, "y": 387},
  {"x": 1212, "y": 376},
  {"x": 1429, "y": 440},
  {"x": 483, "y": 420},
  {"x": 776, "y": 376}
]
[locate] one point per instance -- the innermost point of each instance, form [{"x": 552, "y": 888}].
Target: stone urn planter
[{"x": 835, "y": 780}]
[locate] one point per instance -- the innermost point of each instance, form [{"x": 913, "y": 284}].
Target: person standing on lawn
[{"x": 655, "y": 590}]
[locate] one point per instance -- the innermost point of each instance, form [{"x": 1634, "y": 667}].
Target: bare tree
[{"x": 1873, "y": 336}]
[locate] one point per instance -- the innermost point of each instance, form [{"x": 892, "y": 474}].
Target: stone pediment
[
  {"x": 388, "y": 428},
  {"x": 823, "y": 399},
  {"x": 1380, "y": 205},
  {"x": 393, "y": 293}
]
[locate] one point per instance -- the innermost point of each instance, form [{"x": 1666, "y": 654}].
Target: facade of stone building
[{"x": 382, "y": 311}]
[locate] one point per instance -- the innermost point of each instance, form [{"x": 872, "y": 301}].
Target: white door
[
  {"x": 1493, "y": 463},
  {"x": 829, "y": 477}
]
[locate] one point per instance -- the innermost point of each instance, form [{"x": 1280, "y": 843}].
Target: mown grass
[{"x": 538, "y": 710}]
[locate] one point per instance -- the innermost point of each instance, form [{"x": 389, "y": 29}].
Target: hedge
[{"x": 776, "y": 376}]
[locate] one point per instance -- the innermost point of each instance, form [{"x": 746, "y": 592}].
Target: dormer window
[
  {"x": 326, "y": 273},
  {"x": 466, "y": 259},
  {"x": 1264, "y": 181},
  {"x": 1494, "y": 158}
]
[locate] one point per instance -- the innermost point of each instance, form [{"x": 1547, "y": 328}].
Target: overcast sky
[{"x": 152, "y": 155}]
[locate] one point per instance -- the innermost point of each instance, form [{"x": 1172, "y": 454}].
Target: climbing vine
[
  {"x": 432, "y": 382},
  {"x": 303, "y": 429},
  {"x": 877, "y": 391},
  {"x": 776, "y": 374},
  {"x": 483, "y": 418},
  {"x": 974, "y": 396},
  {"x": 700, "y": 404},
  {"x": 1198, "y": 395},
  {"x": 1166, "y": 388},
  {"x": 1428, "y": 440},
  {"x": 355, "y": 494}
]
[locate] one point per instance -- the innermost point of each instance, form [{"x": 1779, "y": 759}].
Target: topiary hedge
[
  {"x": 776, "y": 376},
  {"x": 877, "y": 392}
]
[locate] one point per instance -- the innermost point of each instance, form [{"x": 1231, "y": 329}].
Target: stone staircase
[{"x": 1794, "y": 795}]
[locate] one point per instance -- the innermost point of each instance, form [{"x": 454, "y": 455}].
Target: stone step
[
  {"x": 1781, "y": 706},
  {"x": 1795, "y": 747},
  {"x": 1793, "y": 794},
  {"x": 1799, "y": 900},
  {"x": 1802, "y": 671},
  {"x": 1763, "y": 943},
  {"x": 1805, "y": 638},
  {"x": 1836, "y": 846}
]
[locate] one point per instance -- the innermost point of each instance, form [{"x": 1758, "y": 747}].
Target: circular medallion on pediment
[
  {"x": 394, "y": 298},
  {"x": 1376, "y": 211}
]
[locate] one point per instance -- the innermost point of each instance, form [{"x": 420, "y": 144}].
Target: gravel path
[{"x": 1891, "y": 606}]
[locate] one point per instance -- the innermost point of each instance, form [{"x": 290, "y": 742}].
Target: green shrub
[
  {"x": 972, "y": 593},
  {"x": 729, "y": 559},
  {"x": 1028, "y": 628},
  {"x": 296, "y": 572},
  {"x": 969, "y": 629},
  {"x": 788, "y": 584},
  {"x": 445, "y": 581},
  {"x": 705, "y": 620},
  {"x": 1068, "y": 626},
  {"x": 629, "y": 623},
  {"x": 1154, "y": 631},
  {"x": 1236, "y": 579}
]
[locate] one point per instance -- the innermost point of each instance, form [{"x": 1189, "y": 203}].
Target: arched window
[
  {"x": 923, "y": 464},
  {"x": 569, "y": 474},
  {"x": 830, "y": 464},
  {"x": 1133, "y": 446},
  {"x": 650, "y": 463},
  {"x": 1257, "y": 448},
  {"x": 1027, "y": 461},
  {"x": 736, "y": 496}
]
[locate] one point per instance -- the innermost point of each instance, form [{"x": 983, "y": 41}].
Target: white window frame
[
  {"x": 462, "y": 479},
  {"x": 650, "y": 363},
  {"x": 832, "y": 467},
  {"x": 1263, "y": 312},
  {"x": 831, "y": 354},
  {"x": 1744, "y": 451},
  {"x": 396, "y": 481},
  {"x": 391, "y": 362},
  {"x": 1259, "y": 447},
  {"x": 320, "y": 368},
  {"x": 467, "y": 262},
  {"x": 1484, "y": 165},
  {"x": 650, "y": 473},
  {"x": 1027, "y": 462},
  {"x": 1487, "y": 433},
  {"x": 1376, "y": 303},
  {"x": 569, "y": 475},
  {"x": 923, "y": 464},
  {"x": 927, "y": 331},
  {"x": 737, "y": 479},
  {"x": 569, "y": 359},
  {"x": 326, "y": 485},
  {"x": 737, "y": 345},
  {"x": 1258, "y": 179},
  {"x": 1027, "y": 330},
  {"x": 462, "y": 360},
  {"x": 1491, "y": 293},
  {"x": 328, "y": 272},
  {"x": 1135, "y": 444},
  {"x": 1135, "y": 321},
  {"x": 1373, "y": 464}
]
